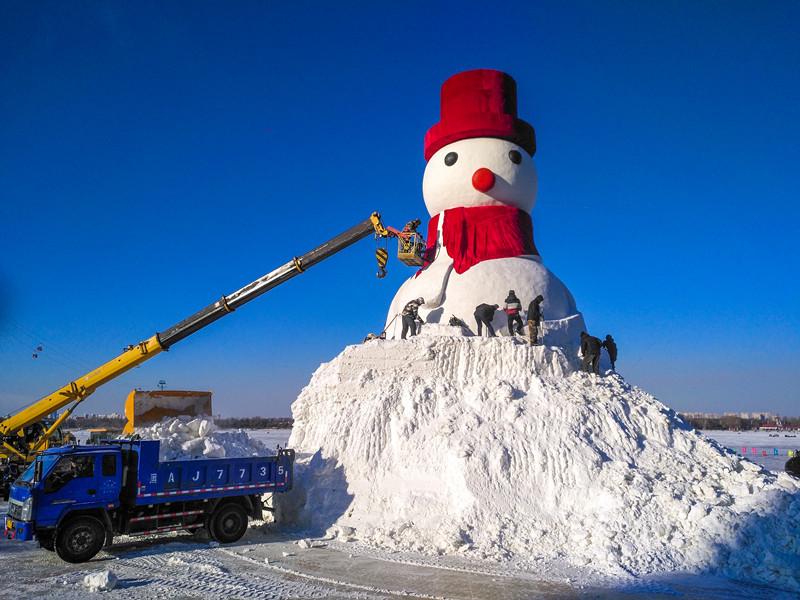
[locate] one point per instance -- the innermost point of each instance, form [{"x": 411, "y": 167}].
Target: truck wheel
[
  {"x": 80, "y": 539},
  {"x": 228, "y": 523}
]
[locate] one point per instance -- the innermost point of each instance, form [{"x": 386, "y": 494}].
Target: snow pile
[
  {"x": 102, "y": 581},
  {"x": 184, "y": 438},
  {"x": 493, "y": 449}
]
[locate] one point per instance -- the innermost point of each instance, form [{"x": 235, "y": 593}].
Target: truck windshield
[
  {"x": 26, "y": 479},
  {"x": 28, "y": 475}
]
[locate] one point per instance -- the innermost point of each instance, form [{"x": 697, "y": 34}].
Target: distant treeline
[
  {"x": 254, "y": 422},
  {"x": 734, "y": 423},
  {"x": 118, "y": 422},
  {"x": 95, "y": 422}
]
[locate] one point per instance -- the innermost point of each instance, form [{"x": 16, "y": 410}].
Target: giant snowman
[
  {"x": 480, "y": 188},
  {"x": 451, "y": 444}
]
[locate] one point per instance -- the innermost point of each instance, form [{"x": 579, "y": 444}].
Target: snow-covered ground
[
  {"x": 271, "y": 437},
  {"x": 762, "y": 441},
  {"x": 490, "y": 449},
  {"x": 268, "y": 563}
]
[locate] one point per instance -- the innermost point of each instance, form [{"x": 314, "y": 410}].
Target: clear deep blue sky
[{"x": 154, "y": 156}]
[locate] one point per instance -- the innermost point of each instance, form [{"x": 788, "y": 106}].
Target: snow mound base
[
  {"x": 493, "y": 449},
  {"x": 187, "y": 438}
]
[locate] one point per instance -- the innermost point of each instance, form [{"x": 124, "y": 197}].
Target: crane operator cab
[{"x": 411, "y": 245}]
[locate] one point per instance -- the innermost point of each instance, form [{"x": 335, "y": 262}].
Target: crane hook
[{"x": 382, "y": 256}]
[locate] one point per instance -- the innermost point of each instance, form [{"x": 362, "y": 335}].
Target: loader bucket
[{"x": 143, "y": 407}]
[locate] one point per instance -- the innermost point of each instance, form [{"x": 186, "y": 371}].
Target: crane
[{"x": 28, "y": 431}]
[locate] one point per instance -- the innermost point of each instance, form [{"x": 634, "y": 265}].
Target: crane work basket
[{"x": 411, "y": 250}]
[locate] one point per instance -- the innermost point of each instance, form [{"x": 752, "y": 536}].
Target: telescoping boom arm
[{"x": 77, "y": 390}]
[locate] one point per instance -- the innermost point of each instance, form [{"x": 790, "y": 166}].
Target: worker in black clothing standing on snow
[
  {"x": 792, "y": 465},
  {"x": 534, "y": 318},
  {"x": 410, "y": 316},
  {"x": 513, "y": 310},
  {"x": 484, "y": 313},
  {"x": 611, "y": 347},
  {"x": 590, "y": 349}
]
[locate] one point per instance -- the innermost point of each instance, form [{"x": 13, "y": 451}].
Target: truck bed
[{"x": 199, "y": 479}]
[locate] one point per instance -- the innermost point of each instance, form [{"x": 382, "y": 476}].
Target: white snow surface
[
  {"x": 102, "y": 581},
  {"x": 186, "y": 438},
  {"x": 494, "y": 449}
]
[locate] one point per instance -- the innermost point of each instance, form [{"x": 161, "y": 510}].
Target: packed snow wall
[{"x": 494, "y": 449}]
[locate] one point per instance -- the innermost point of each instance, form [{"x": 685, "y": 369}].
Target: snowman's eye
[
  {"x": 514, "y": 155},
  {"x": 450, "y": 158}
]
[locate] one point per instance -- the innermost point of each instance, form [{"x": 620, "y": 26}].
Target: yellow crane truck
[{"x": 36, "y": 427}]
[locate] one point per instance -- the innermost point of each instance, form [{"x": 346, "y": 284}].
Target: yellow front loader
[
  {"x": 36, "y": 427},
  {"x": 145, "y": 407}
]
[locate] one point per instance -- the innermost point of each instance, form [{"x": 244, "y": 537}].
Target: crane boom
[
  {"x": 285, "y": 272},
  {"x": 77, "y": 390}
]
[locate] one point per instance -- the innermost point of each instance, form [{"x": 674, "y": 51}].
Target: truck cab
[{"x": 61, "y": 481}]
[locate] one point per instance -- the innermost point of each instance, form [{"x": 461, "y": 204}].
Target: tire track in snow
[
  {"x": 331, "y": 580},
  {"x": 426, "y": 562},
  {"x": 198, "y": 572}
]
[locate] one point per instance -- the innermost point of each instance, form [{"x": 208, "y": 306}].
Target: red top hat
[{"x": 479, "y": 103}]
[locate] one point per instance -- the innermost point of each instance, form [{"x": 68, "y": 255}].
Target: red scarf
[{"x": 479, "y": 233}]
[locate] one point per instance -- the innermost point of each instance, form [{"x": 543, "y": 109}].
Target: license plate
[{"x": 9, "y": 524}]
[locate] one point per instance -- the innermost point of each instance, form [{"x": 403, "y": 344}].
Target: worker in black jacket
[
  {"x": 535, "y": 318},
  {"x": 410, "y": 316},
  {"x": 611, "y": 347},
  {"x": 590, "y": 349},
  {"x": 513, "y": 310},
  {"x": 792, "y": 465},
  {"x": 484, "y": 313}
]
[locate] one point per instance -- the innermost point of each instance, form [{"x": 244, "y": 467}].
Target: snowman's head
[{"x": 479, "y": 172}]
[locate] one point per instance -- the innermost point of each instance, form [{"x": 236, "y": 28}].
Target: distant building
[{"x": 775, "y": 425}]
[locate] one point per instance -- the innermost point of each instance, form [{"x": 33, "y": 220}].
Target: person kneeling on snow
[
  {"x": 456, "y": 322},
  {"x": 535, "y": 318},
  {"x": 410, "y": 316},
  {"x": 513, "y": 310},
  {"x": 590, "y": 349},
  {"x": 484, "y": 313}
]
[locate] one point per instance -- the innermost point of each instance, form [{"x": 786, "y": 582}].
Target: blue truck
[{"x": 75, "y": 499}]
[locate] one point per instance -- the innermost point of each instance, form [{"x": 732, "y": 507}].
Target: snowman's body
[{"x": 484, "y": 172}]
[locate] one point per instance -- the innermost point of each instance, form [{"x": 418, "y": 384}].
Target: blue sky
[{"x": 154, "y": 156}]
